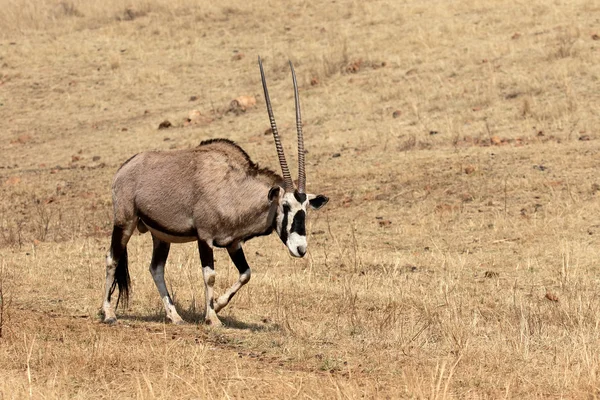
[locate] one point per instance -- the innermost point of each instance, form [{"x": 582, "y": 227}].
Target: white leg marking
[
  {"x": 158, "y": 274},
  {"x": 109, "y": 313},
  {"x": 157, "y": 270},
  {"x": 225, "y": 298},
  {"x": 209, "y": 281},
  {"x": 172, "y": 314}
]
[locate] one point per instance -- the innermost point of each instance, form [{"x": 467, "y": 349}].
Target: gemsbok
[{"x": 213, "y": 194}]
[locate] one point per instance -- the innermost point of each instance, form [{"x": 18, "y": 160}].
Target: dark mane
[
  {"x": 129, "y": 159},
  {"x": 253, "y": 168},
  {"x": 228, "y": 143}
]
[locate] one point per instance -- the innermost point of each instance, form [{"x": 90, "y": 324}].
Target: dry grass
[{"x": 458, "y": 142}]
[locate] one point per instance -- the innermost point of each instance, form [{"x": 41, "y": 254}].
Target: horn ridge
[
  {"x": 301, "y": 165},
  {"x": 287, "y": 177}
]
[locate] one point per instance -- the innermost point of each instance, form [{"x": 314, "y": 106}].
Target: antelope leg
[
  {"x": 237, "y": 256},
  {"x": 116, "y": 254},
  {"x": 157, "y": 269},
  {"x": 208, "y": 272}
]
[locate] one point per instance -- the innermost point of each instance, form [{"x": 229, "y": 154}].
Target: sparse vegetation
[
  {"x": 458, "y": 142},
  {"x": 4, "y": 300}
]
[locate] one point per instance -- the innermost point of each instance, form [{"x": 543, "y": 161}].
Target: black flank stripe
[
  {"x": 190, "y": 232},
  {"x": 299, "y": 223}
]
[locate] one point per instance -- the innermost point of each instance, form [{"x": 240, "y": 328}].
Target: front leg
[
  {"x": 208, "y": 272},
  {"x": 237, "y": 256}
]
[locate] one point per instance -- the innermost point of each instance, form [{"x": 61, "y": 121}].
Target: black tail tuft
[{"x": 122, "y": 280}]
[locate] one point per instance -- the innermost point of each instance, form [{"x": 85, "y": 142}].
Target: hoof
[
  {"x": 110, "y": 321},
  {"x": 178, "y": 322},
  {"x": 213, "y": 322}
]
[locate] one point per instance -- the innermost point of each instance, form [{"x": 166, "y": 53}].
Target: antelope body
[{"x": 213, "y": 194}]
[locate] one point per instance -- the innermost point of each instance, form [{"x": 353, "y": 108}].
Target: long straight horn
[
  {"x": 287, "y": 177},
  {"x": 301, "y": 170}
]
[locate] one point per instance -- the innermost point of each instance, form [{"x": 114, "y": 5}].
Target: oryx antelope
[{"x": 213, "y": 194}]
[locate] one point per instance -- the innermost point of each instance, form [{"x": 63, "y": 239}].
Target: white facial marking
[{"x": 297, "y": 244}]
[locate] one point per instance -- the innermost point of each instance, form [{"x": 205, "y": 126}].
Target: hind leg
[
  {"x": 116, "y": 254},
  {"x": 157, "y": 269},
  {"x": 208, "y": 272}
]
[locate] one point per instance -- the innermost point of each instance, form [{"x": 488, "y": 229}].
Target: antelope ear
[
  {"x": 274, "y": 192},
  {"x": 317, "y": 201}
]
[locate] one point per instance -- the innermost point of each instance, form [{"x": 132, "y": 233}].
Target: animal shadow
[{"x": 196, "y": 317}]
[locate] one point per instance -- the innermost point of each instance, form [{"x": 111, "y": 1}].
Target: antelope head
[{"x": 290, "y": 203}]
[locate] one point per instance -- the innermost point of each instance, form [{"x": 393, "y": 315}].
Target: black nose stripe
[{"x": 299, "y": 223}]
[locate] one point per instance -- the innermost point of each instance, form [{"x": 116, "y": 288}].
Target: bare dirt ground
[{"x": 458, "y": 256}]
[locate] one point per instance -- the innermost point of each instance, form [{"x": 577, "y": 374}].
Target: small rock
[
  {"x": 241, "y": 104},
  {"x": 95, "y": 158},
  {"x": 22, "y": 139},
  {"x": 410, "y": 268},
  {"x": 469, "y": 169},
  {"x": 195, "y": 117},
  {"x": 13, "y": 180},
  {"x": 595, "y": 36},
  {"x": 584, "y": 138},
  {"x": 354, "y": 66},
  {"x": 193, "y": 98},
  {"x": 396, "y": 113},
  {"x": 336, "y": 155},
  {"x": 467, "y": 197},
  {"x": 495, "y": 140},
  {"x": 165, "y": 124},
  {"x": 551, "y": 296}
]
